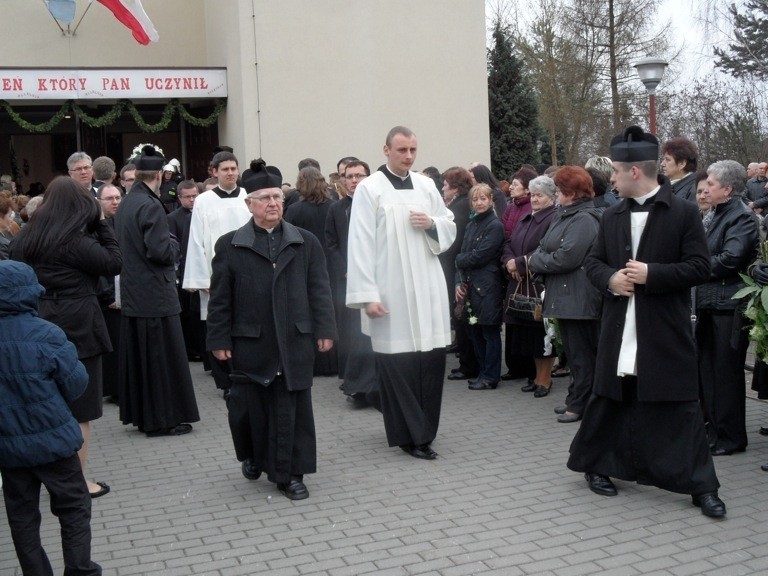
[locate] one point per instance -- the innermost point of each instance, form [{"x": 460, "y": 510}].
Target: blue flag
[{"x": 62, "y": 10}]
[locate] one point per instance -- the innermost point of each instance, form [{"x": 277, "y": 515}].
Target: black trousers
[
  {"x": 411, "y": 387},
  {"x": 722, "y": 348},
  {"x": 580, "y": 343},
  {"x": 70, "y": 503}
]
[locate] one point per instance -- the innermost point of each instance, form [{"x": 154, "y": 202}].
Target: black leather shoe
[
  {"x": 250, "y": 470},
  {"x": 763, "y": 431},
  {"x": 764, "y": 467},
  {"x": 295, "y": 489},
  {"x": 600, "y": 484},
  {"x": 480, "y": 384},
  {"x": 507, "y": 376},
  {"x": 458, "y": 375},
  {"x": 561, "y": 409},
  {"x": 529, "y": 387},
  {"x": 725, "y": 451},
  {"x": 541, "y": 391},
  {"x": 422, "y": 451},
  {"x": 710, "y": 504}
]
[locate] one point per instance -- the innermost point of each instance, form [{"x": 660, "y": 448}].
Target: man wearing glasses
[
  {"x": 270, "y": 307},
  {"x": 80, "y": 168}
]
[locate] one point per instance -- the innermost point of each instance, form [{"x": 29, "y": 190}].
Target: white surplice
[
  {"x": 212, "y": 217},
  {"x": 396, "y": 264}
]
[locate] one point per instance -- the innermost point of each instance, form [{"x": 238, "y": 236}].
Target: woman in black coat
[
  {"x": 480, "y": 285},
  {"x": 310, "y": 213},
  {"x": 70, "y": 245},
  {"x": 525, "y": 337},
  {"x": 733, "y": 238}
]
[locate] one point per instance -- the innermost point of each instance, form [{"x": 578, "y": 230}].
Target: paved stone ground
[{"x": 499, "y": 500}]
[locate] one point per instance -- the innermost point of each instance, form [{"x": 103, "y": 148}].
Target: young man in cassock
[
  {"x": 398, "y": 226},
  {"x": 217, "y": 211},
  {"x": 270, "y": 306},
  {"x": 643, "y": 421},
  {"x": 155, "y": 386}
]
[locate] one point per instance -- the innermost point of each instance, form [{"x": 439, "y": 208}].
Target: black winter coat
[
  {"x": 478, "y": 265},
  {"x": 270, "y": 316},
  {"x": 148, "y": 280},
  {"x": 674, "y": 248},
  {"x": 733, "y": 240},
  {"x": 685, "y": 188},
  {"x": 460, "y": 208}
]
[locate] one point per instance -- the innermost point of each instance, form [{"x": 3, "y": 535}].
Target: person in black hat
[
  {"x": 643, "y": 421},
  {"x": 155, "y": 386},
  {"x": 270, "y": 307}
]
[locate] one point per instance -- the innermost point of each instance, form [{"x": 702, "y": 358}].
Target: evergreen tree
[
  {"x": 748, "y": 55},
  {"x": 512, "y": 108}
]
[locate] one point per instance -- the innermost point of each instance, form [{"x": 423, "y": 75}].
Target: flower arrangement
[
  {"x": 137, "y": 150},
  {"x": 757, "y": 309},
  {"x": 471, "y": 318}
]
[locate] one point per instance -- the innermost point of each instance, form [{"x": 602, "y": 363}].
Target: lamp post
[{"x": 651, "y": 70}]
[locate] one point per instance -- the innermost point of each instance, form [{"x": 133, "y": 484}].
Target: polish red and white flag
[{"x": 131, "y": 13}]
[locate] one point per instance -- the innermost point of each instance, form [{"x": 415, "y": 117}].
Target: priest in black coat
[{"x": 643, "y": 422}]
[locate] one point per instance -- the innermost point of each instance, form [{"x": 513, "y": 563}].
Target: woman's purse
[{"x": 523, "y": 305}]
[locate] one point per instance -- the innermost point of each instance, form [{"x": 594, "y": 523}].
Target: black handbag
[{"x": 524, "y": 303}]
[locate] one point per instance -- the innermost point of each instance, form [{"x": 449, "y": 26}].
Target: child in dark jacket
[{"x": 39, "y": 438}]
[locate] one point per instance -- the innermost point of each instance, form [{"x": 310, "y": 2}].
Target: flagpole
[
  {"x": 81, "y": 17},
  {"x": 54, "y": 19}
]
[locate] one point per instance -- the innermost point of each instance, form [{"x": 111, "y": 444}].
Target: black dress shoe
[
  {"x": 600, "y": 484},
  {"x": 763, "y": 431},
  {"x": 764, "y": 467},
  {"x": 295, "y": 489},
  {"x": 423, "y": 451},
  {"x": 725, "y": 451},
  {"x": 458, "y": 375},
  {"x": 541, "y": 391},
  {"x": 481, "y": 384},
  {"x": 103, "y": 490},
  {"x": 529, "y": 387},
  {"x": 250, "y": 470},
  {"x": 507, "y": 376},
  {"x": 710, "y": 504},
  {"x": 175, "y": 431}
]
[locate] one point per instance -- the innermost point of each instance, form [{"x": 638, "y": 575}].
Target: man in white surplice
[{"x": 398, "y": 226}]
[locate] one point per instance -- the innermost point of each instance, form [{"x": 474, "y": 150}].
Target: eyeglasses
[
  {"x": 268, "y": 198},
  {"x": 81, "y": 169},
  {"x": 110, "y": 198},
  {"x": 188, "y": 196},
  {"x": 129, "y": 180},
  {"x": 355, "y": 176}
]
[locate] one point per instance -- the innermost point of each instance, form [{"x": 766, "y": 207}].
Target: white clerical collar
[
  {"x": 645, "y": 197},
  {"x": 403, "y": 178},
  {"x": 227, "y": 191}
]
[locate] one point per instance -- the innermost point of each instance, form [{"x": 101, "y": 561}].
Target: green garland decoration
[
  {"x": 172, "y": 108},
  {"x": 37, "y": 128},
  {"x": 106, "y": 119}
]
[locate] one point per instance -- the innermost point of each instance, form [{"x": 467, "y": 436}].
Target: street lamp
[{"x": 651, "y": 70}]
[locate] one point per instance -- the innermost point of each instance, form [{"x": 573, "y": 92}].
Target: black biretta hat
[
  {"x": 150, "y": 160},
  {"x": 260, "y": 176},
  {"x": 634, "y": 145}
]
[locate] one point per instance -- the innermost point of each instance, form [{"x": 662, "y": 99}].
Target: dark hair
[
  {"x": 458, "y": 178},
  {"x": 483, "y": 175},
  {"x": 186, "y": 185},
  {"x": 402, "y": 130},
  {"x": 312, "y": 186},
  {"x": 600, "y": 184},
  {"x": 700, "y": 175},
  {"x": 68, "y": 209},
  {"x": 346, "y": 160},
  {"x": 127, "y": 168},
  {"x": 681, "y": 148},
  {"x": 309, "y": 162},
  {"x": 524, "y": 176},
  {"x": 353, "y": 163},
  {"x": 223, "y": 156},
  {"x": 434, "y": 173},
  {"x": 574, "y": 182}
]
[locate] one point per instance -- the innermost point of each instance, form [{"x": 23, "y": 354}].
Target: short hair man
[
  {"x": 398, "y": 226},
  {"x": 270, "y": 305},
  {"x": 127, "y": 176},
  {"x": 643, "y": 421},
  {"x": 757, "y": 195},
  {"x": 217, "y": 211},
  {"x": 103, "y": 172},
  {"x": 80, "y": 167},
  {"x": 679, "y": 159},
  {"x": 353, "y": 345},
  {"x": 109, "y": 197},
  {"x": 179, "y": 222},
  {"x": 156, "y": 392}
]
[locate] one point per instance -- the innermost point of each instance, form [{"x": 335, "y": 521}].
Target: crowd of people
[{"x": 615, "y": 274}]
